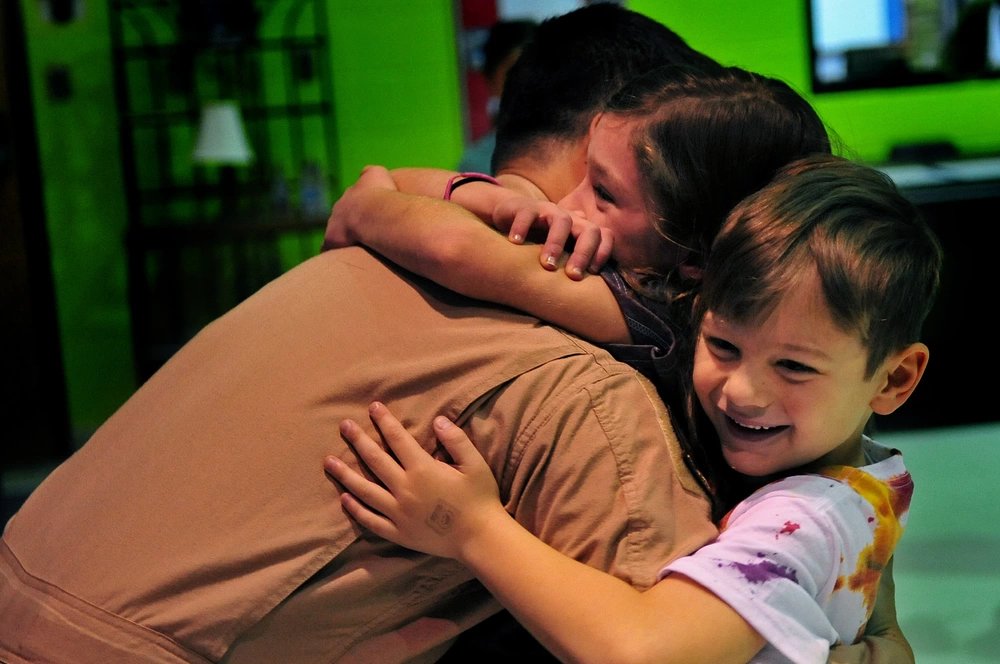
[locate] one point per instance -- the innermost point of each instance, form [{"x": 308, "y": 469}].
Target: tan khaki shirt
[{"x": 198, "y": 525}]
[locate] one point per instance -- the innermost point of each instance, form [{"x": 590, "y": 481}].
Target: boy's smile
[{"x": 788, "y": 391}]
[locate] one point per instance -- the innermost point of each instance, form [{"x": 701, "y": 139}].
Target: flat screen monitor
[{"x": 861, "y": 44}]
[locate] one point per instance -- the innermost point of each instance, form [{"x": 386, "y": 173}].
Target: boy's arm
[
  {"x": 447, "y": 244},
  {"x": 883, "y": 641},
  {"x": 454, "y": 511}
]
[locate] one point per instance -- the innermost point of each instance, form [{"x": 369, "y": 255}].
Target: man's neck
[
  {"x": 521, "y": 183},
  {"x": 552, "y": 170}
]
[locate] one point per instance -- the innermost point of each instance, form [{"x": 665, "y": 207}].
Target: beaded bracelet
[{"x": 457, "y": 181}]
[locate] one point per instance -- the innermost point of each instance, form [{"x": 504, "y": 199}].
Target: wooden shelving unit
[{"x": 202, "y": 238}]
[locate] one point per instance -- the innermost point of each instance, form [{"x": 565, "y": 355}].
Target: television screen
[{"x": 859, "y": 44}]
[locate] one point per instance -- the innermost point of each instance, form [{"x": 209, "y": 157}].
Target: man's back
[{"x": 200, "y": 512}]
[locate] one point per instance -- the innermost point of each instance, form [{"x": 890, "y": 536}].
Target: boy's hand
[
  {"x": 591, "y": 244},
  {"x": 350, "y": 208},
  {"x": 422, "y": 503}
]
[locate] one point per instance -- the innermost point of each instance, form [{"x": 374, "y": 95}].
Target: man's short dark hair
[{"x": 572, "y": 65}]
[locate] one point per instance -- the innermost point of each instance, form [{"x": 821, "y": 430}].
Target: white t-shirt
[{"x": 801, "y": 558}]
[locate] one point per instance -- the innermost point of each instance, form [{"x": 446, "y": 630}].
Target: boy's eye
[{"x": 796, "y": 367}]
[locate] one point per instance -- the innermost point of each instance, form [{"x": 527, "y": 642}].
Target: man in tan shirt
[{"x": 197, "y": 524}]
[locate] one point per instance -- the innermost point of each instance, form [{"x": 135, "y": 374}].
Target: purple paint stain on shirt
[{"x": 764, "y": 571}]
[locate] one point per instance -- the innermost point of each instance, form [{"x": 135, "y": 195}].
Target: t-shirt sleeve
[{"x": 777, "y": 564}]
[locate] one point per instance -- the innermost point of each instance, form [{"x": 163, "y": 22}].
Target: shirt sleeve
[
  {"x": 779, "y": 560},
  {"x": 595, "y": 470}
]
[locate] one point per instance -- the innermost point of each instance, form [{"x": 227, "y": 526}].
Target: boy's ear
[{"x": 905, "y": 370}]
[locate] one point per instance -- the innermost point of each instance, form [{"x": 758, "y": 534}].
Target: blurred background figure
[
  {"x": 973, "y": 48},
  {"x": 498, "y": 53}
]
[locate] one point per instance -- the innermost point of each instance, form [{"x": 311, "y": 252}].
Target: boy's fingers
[
  {"x": 364, "y": 490},
  {"x": 403, "y": 445},
  {"x": 381, "y": 464},
  {"x": 457, "y": 443},
  {"x": 369, "y": 519}
]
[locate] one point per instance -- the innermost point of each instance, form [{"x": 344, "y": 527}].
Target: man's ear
[{"x": 904, "y": 371}]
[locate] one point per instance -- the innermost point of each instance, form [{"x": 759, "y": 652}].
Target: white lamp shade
[{"x": 222, "y": 139}]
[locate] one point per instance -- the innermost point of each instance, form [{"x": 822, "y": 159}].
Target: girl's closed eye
[{"x": 603, "y": 194}]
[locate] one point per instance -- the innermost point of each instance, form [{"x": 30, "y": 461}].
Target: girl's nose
[{"x": 576, "y": 201}]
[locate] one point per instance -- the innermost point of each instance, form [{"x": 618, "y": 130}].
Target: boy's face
[
  {"x": 611, "y": 196},
  {"x": 789, "y": 392}
]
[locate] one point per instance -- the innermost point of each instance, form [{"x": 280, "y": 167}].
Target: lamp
[{"x": 222, "y": 141}]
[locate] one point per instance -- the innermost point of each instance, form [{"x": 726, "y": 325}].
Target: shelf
[
  {"x": 190, "y": 257},
  {"x": 189, "y": 115},
  {"x": 276, "y": 44}
]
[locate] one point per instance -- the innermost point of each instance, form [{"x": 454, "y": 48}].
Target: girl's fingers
[
  {"x": 558, "y": 235},
  {"x": 603, "y": 253},
  {"x": 587, "y": 244},
  {"x": 521, "y": 225},
  {"x": 376, "y": 176}
]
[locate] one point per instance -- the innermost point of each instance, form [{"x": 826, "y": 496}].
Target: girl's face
[
  {"x": 787, "y": 393},
  {"x": 612, "y": 197}
]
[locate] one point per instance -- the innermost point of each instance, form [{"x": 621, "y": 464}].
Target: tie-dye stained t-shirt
[{"x": 801, "y": 558}]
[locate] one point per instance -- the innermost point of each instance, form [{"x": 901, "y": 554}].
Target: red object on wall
[
  {"x": 478, "y": 94},
  {"x": 479, "y": 13}
]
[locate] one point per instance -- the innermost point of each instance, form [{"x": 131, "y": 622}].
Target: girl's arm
[
  {"x": 517, "y": 208},
  {"x": 447, "y": 244},
  {"x": 577, "y": 612},
  {"x": 502, "y": 208}
]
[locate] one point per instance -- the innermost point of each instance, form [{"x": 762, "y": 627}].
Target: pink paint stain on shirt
[{"x": 789, "y": 528}]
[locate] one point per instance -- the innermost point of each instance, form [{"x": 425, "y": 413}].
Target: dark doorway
[{"x": 35, "y": 422}]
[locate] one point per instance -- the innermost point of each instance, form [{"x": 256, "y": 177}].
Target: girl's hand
[
  {"x": 422, "y": 503},
  {"x": 352, "y": 207},
  {"x": 592, "y": 245}
]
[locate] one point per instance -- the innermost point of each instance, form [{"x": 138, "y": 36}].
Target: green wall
[
  {"x": 397, "y": 103},
  {"x": 397, "y": 97},
  {"x": 84, "y": 207}
]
